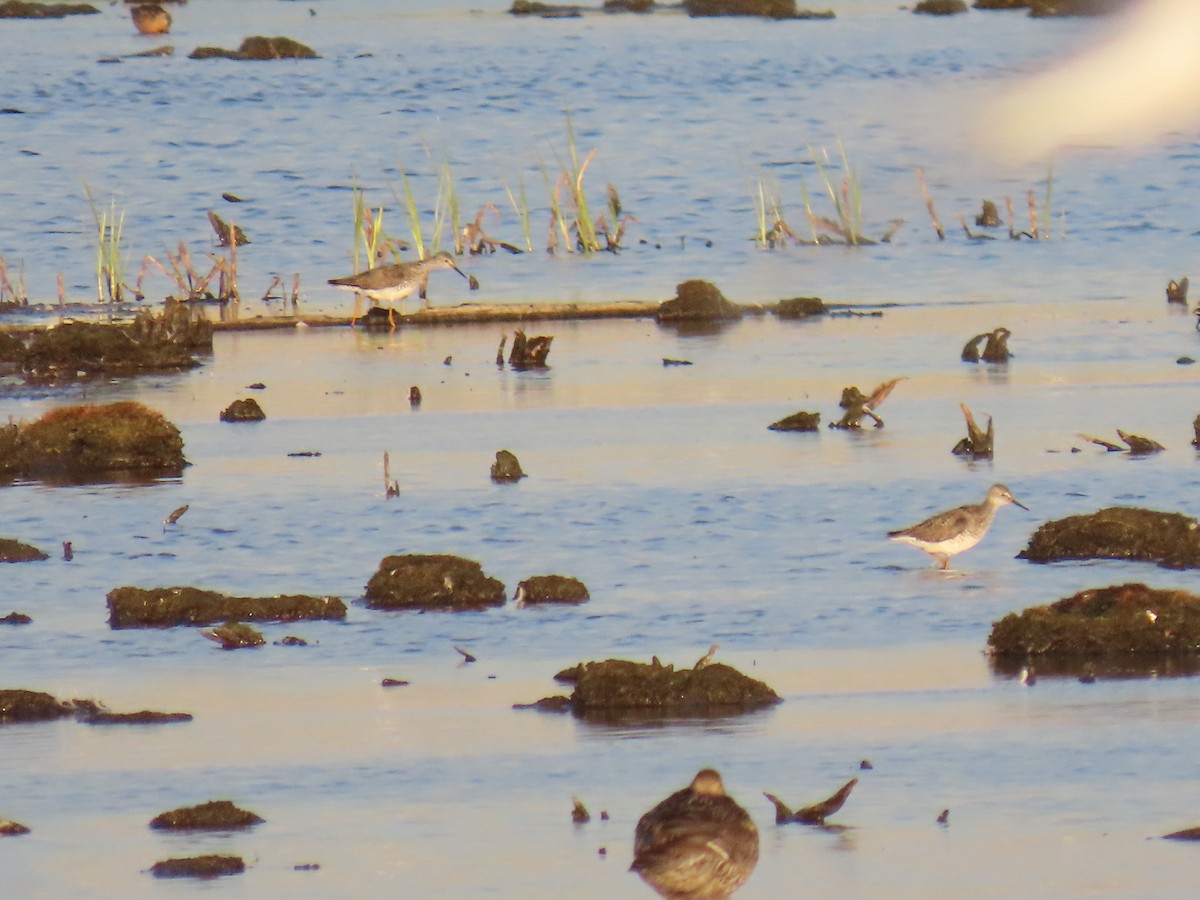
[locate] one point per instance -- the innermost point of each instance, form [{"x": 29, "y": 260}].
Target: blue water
[{"x": 661, "y": 488}]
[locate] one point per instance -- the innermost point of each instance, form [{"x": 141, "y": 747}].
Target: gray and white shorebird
[
  {"x": 698, "y": 843},
  {"x": 395, "y": 281},
  {"x": 951, "y": 532}
]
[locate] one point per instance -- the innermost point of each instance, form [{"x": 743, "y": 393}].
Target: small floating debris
[
  {"x": 15, "y": 618},
  {"x": 235, "y": 636},
  {"x": 1135, "y": 445},
  {"x": 291, "y": 640},
  {"x": 414, "y": 397},
  {"x": 90, "y": 712},
  {"x": 529, "y": 352},
  {"x": 857, "y": 405},
  {"x": 995, "y": 348},
  {"x": 68, "y": 553},
  {"x": 667, "y": 361},
  {"x": 944, "y": 817},
  {"x": 506, "y": 469},
  {"x": 176, "y": 515},
  {"x": 978, "y": 443},
  {"x": 466, "y": 655},
  {"x": 304, "y": 454},
  {"x": 393, "y": 682},
  {"x": 817, "y": 812},
  {"x": 215, "y": 815},
  {"x": 579, "y": 813},
  {"x": 1177, "y": 291},
  {"x": 391, "y": 487}
]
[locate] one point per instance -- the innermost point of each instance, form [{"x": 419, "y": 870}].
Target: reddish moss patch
[
  {"x": 216, "y": 815},
  {"x": 437, "y": 581},
  {"x": 91, "y": 442},
  {"x": 1170, "y": 539},
  {"x": 132, "y": 607}
]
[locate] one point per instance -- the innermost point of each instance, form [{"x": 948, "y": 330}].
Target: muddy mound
[
  {"x": 133, "y": 607},
  {"x": 90, "y": 442},
  {"x": 438, "y": 581},
  {"x": 1127, "y": 623},
  {"x": 1170, "y": 539}
]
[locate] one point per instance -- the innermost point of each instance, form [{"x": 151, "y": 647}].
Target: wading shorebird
[
  {"x": 395, "y": 282},
  {"x": 951, "y": 532},
  {"x": 698, "y": 843}
]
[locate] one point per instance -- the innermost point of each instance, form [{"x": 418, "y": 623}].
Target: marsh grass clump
[
  {"x": 110, "y": 255},
  {"x": 90, "y": 442}
]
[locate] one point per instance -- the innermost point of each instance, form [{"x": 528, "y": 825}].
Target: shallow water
[{"x": 660, "y": 487}]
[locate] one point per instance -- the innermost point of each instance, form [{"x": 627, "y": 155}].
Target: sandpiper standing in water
[
  {"x": 951, "y": 532},
  {"x": 395, "y": 282}
]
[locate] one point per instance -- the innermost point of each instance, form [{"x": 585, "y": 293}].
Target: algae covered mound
[
  {"x": 31, "y": 706},
  {"x": 258, "y": 47},
  {"x": 88, "y": 349},
  {"x": 617, "y": 685},
  {"x": 216, "y": 815},
  {"x": 133, "y": 607},
  {"x": 697, "y": 300},
  {"x": 89, "y": 441},
  {"x": 437, "y": 581},
  {"x": 19, "y": 9},
  {"x": 1124, "y": 621},
  {"x": 552, "y": 589},
  {"x": 14, "y": 551},
  {"x": 210, "y": 866},
  {"x": 1170, "y": 539}
]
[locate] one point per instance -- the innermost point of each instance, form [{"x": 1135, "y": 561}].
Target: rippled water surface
[{"x": 660, "y": 487}]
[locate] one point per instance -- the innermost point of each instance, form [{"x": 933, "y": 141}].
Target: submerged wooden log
[
  {"x": 978, "y": 443},
  {"x": 817, "y": 812},
  {"x": 1177, "y": 291},
  {"x": 857, "y": 405},
  {"x": 528, "y": 352}
]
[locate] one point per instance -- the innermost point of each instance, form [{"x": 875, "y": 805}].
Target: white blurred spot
[{"x": 1139, "y": 84}]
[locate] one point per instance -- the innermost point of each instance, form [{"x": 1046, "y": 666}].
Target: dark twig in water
[
  {"x": 467, "y": 657},
  {"x": 937, "y": 225}
]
